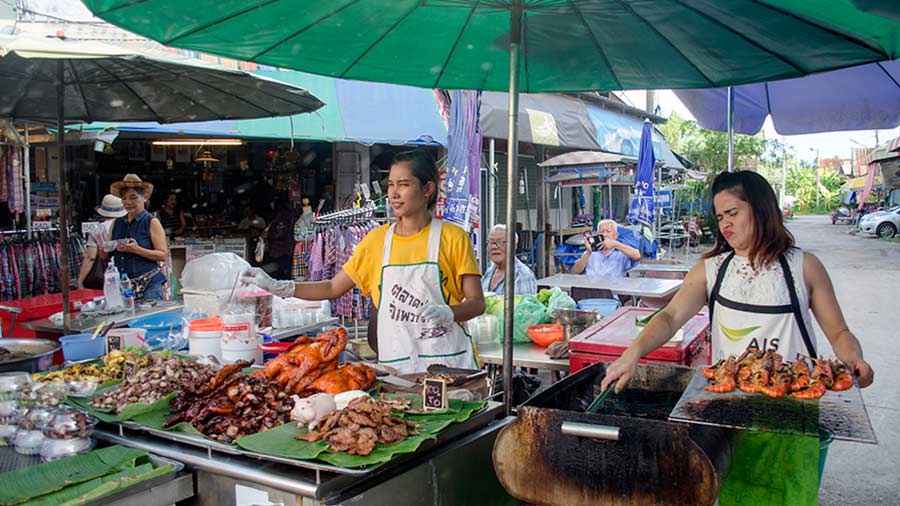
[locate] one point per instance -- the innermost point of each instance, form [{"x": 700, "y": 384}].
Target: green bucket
[{"x": 825, "y": 440}]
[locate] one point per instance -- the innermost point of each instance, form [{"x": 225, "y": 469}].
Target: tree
[{"x": 709, "y": 148}]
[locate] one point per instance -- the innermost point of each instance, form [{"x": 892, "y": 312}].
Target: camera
[{"x": 595, "y": 241}]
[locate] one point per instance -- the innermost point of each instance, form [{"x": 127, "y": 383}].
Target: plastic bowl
[
  {"x": 158, "y": 325},
  {"x": 603, "y": 307},
  {"x": 545, "y": 335},
  {"x": 78, "y": 347},
  {"x": 272, "y": 348}
]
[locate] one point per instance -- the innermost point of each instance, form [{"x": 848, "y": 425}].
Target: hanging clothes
[{"x": 32, "y": 267}]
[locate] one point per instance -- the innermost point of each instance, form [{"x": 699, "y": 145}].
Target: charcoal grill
[{"x": 627, "y": 453}]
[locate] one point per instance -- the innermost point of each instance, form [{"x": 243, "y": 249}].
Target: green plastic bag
[
  {"x": 559, "y": 300},
  {"x": 527, "y": 311}
]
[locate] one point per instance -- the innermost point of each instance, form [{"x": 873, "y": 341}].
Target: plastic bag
[
  {"x": 527, "y": 311},
  {"x": 213, "y": 272},
  {"x": 559, "y": 300}
]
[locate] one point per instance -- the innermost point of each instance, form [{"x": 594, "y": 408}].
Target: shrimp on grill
[{"x": 724, "y": 377}]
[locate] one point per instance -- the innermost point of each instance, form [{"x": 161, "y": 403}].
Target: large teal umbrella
[{"x": 523, "y": 45}]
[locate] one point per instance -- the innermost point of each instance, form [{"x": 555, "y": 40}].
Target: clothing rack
[{"x": 346, "y": 215}]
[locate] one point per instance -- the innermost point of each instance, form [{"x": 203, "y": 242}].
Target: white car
[{"x": 881, "y": 223}]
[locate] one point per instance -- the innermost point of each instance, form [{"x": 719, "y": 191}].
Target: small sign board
[
  {"x": 129, "y": 368},
  {"x": 114, "y": 342},
  {"x": 664, "y": 199},
  {"x": 434, "y": 394}
]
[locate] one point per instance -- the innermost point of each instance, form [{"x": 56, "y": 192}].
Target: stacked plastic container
[{"x": 205, "y": 337}]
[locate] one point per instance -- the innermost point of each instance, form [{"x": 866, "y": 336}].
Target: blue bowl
[
  {"x": 604, "y": 307},
  {"x": 77, "y": 347},
  {"x": 158, "y": 325}
]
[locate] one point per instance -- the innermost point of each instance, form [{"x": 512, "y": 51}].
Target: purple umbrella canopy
[{"x": 865, "y": 97}]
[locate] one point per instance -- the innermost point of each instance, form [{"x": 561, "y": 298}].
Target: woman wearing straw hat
[
  {"x": 110, "y": 208},
  {"x": 142, "y": 240}
]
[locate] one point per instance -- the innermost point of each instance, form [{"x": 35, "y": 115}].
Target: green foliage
[
  {"x": 801, "y": 184},
  {"x": 709, "y": 148}
]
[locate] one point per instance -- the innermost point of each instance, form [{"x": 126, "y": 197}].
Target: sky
[{"x": 829, "y": 145}]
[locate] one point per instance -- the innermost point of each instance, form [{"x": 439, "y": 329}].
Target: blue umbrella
[{"x": 642, "y": 203}]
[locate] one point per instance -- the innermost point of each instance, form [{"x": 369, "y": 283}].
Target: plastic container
[
  {"x": 545, "y": 335},
  {"x": 70, "y": 423},
  {"x": 483, "y": 329},
  {"x": 81, "y": 388},
  {"x": 9, "y": 408},
  {"x": 78, "y": 347},
  {"x": 603, "y": 307},
  {"x": 54, "y": 449},
  {"x": 28, "y": 441},
  {"x": 158, "y": 326},
  {"x": 130, "y": 337},
  {"x": 8, "y": 430},
  {"x": 205, "y": 337},
  {"x": 272, "y": 348},
  {"x": 10, "y": 382},
  {"x": 41, "y": 394},
  {"x": 112, "y": 287}
]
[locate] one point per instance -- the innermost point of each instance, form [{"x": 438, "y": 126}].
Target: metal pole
[
  {"x": 609, "y": 185},
  {"x": 492, "y": 184},
  {"x": 27, "y": 160},
  {"x": 730, "y": 121},
  {"x": 63, "y": 196},
  {"x": 783, "y": 174},
  {"x": 817, "y": 178},
  {"x": 512, "y": 164}
]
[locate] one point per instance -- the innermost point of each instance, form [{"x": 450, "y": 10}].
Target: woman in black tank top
[{"x": 171, "y": 217}]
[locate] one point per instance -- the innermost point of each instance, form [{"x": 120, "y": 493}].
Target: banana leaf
[
  {"x": 155, "y": 419},
  {"x": 282, "y": 441},
  {"x": 35, "y": 481},
  {"x": 380, "y": 455},
  {"x": 100, "y": 487},
  {"x": 129, "y": 412}
]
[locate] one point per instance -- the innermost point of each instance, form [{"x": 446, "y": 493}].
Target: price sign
[
  {"x": 434, "y": 394},
  {"x": 114, "y": 343},
  {"x": 129, "y": 368}
]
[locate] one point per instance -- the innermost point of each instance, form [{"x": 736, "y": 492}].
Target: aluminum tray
[
  {"x": 840, "y": 413},
  {"x": 478, "y": 420}
]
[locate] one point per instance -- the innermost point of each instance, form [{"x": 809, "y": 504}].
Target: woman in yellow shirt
[{"x": 421, "y": 273}]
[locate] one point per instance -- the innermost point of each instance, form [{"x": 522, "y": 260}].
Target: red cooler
[
  {"x": 35, "y": 308},
  {"x": 605, "y": 341}
]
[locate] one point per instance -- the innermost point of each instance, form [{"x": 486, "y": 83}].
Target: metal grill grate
[{"x": 840, "y": 413}]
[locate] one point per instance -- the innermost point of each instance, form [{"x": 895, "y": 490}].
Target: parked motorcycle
[{"x": 843, "y": 215}]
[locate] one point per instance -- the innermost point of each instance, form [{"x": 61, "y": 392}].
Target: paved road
[{"x": 866, "y": 276}]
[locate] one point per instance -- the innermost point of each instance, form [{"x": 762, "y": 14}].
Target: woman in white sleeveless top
[{"x": 760, "y": 289}]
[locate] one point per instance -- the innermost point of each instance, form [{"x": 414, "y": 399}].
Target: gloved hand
[
  {"x": 258, "y": 277},
  {"x": 440, "y": 314}
]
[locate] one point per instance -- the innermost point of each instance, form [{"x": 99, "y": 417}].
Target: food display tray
[
  {"x": 479, "y": 419},
  {"x": 842, "y": 414}
]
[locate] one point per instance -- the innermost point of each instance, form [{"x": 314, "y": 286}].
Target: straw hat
[
  {"x": 111, "y": 207},
  {"x": 131, "y": 181}
]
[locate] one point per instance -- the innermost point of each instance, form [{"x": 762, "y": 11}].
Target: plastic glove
[
  {"x": 440, "y": 314},
  {"x": 258, "y": 277}
]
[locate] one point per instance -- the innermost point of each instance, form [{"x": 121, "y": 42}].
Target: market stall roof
[
  {"x": 856, "y": 98},
  {"x": 354, "y": 112},
  {"x": 580, "y": 176},
  {"x": 858, "y": 183},
  {"x": 569, "y": 122},
  {"x": 586, "y": 158}
]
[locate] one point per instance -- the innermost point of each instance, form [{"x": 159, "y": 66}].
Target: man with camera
[{"x": 605, "y": 255}]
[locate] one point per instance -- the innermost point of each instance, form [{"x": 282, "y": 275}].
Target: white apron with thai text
[{"x": 405, "y": 341}]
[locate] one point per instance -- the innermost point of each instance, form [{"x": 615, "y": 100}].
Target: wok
[{"x": 40, "y": 354}]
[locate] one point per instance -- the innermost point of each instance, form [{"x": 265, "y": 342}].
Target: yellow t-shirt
[{"x": 455, "y": 259}]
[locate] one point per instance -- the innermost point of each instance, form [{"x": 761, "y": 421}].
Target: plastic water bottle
[
  {"x": 127, "y": 292},
  {"x": 112, "y": 289}
]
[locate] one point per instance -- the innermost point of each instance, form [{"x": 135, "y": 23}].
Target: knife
[{"x": 397, "y": 381}]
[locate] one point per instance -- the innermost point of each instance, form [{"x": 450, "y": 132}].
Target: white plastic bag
[{"x": 213, "y": 273}]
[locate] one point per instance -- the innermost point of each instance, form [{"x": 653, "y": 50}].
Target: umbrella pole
[
  {"x": 27, "y": 164},
  {"x": 512, "y": 164},
  {"x": 730, "y": 121},
  {"x": 63, "y": 197}
]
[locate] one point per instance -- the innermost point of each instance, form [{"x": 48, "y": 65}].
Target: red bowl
[
  {"x": 275, "y": 347},
  {"x": 545, "y": 335}
]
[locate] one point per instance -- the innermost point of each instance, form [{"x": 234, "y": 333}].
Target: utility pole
[
  {"x": 783, "y": 173},
  {"x": 817, "y": 178}
]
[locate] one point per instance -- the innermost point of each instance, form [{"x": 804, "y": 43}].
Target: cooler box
[
  {"x": 605, "y": 341},
  {"x": 35, "y": 308}
]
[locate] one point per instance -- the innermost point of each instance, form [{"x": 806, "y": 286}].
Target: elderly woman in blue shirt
[
  {"x": 612, "y": 259},
  {"x": 493, "y": 279}
]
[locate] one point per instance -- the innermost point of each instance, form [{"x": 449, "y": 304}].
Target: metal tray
[
  {"x": 479, "y": 419},
  {"x": 840, "y": 413}
]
